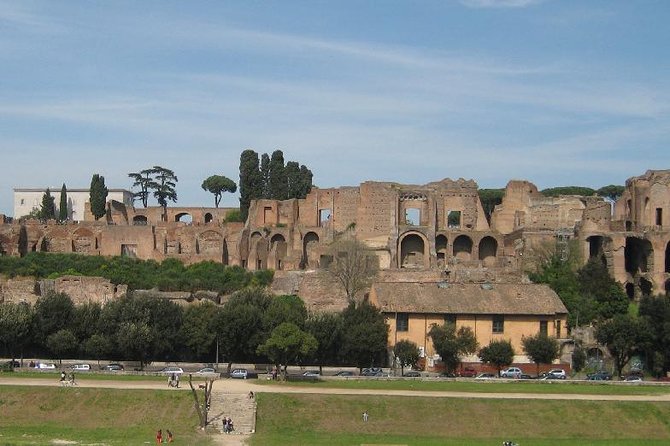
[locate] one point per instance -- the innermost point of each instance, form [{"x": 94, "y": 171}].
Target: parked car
[
  {"x": 372, "y": 371},
  {"x": 13, "y": 364},
  {"x": 171, "y": 370},
  {"x": 412, "y": 374},
  {"x": 601, "y": 375},
  {"x": 525, "y": 376},
  {"x": 633, "y": 378},
  {"x": 243, "y": 374},
  {"x": 468, "y": 372},
  {"x": 344, "y": 373},
  {"x": 313, "y": 373},
  {"x": 512, "y": 372},
  {"x": 448, "y": 375},
  {"x": 45, "y": 366},
  {"x": 485, "y": 376},
  {"x": 113, "y": 367},
  {"x": 559, "y": 373},
  {"x": 81, "y": 368},
  {"x": 206, "y": 371}
]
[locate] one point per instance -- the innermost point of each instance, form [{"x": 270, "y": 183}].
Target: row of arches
[{"x": 414, "y": 250}]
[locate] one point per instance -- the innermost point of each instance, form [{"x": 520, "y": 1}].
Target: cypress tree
[
  {"x": 265, "y": 175},
  {"x": 294, "y": 179},
  {"x": 98, "y": 196},
  {"x": 62, "y": 210},
  {"x": 48, "y": 207},
  {"x": 306, "y": 178},
  {"x": 251, "y": 181},
  {"x": 277, "y": 176}
]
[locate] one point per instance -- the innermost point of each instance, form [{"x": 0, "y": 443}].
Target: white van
[{"x": 81, "y": 368}]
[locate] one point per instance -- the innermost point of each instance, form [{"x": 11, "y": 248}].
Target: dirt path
[{"x": 244, "y": 386}]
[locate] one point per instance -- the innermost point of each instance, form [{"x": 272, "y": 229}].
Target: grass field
[
  {"x": 55, "y": 375},
  {"x": 42, "y": 415},
  {"x": 335, "y": 420},
  {"x": 493, "y": 386}
]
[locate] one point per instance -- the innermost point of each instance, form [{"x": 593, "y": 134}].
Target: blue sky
[{"x": 557, "y": 92}]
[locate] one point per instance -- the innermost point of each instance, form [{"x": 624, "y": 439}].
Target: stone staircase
[{"x": 237, "y": 406}]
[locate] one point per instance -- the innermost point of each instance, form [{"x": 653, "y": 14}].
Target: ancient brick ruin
[{"x": 438, "y": 230}]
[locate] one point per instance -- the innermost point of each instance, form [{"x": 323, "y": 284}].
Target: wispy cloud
[{"x": 500, "y": 3}]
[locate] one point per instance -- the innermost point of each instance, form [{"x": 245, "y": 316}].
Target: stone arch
[
  {"x": 209, "y": 242},
  {"x": 595, "y": 357},
  {"x": 278, "y": 250},
  {"x": 309, "y": 244},
  {"x": 667, "y": 287},
  {"x": 413, "y": 251},
  {"x": 258, "y": 248},
  {"x": 630, "y": 290},
  {"x": 463, "y": 247},
  {"x": 208, "y": 217},
  {"x": 646, "y": 287},
  {"x": 140, "y": 220},
  {"x": 441, "y": 249},
  {"x": 184, "y": 217},
  {"x": 83, "y": 240},
  {"x": 638, "y": 255},
  {"x": 43, "y": 243},
  {"x": 488, "y": 250},
  {"x": 667, "y": 258}
]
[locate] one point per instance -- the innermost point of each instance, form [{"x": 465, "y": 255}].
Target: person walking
[{"x": 365, "y": 416}]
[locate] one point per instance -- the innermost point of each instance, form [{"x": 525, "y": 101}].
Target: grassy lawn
[
  {"x": 40, "y": 415},
  {"x": 522, "y": 386},
  {"x": 336, "y": 420}
]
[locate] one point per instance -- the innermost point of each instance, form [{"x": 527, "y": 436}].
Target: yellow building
[{"x": 494, "y": 311}]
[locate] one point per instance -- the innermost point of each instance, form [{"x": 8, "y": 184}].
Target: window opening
[
  {"x": 498, "y": 324},
  {"x": 454, "y": 219},
  {"x": 402, "y": 322},
  {"x": 413, "y": 217}
]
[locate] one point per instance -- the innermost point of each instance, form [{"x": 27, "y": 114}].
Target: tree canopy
[
  {"x": 62, "y": 208},
  {"x": 217, "y": 185},
  {"x": 624, "y": 335},
  {"x": 353, "y": 265},
  {"x": 406, "y": 353},
  {"x": 452, "y": 344},
  {"x": 48, "y": 207},
  {"x": 540, "y": 348},
  {"x": 499, "y": 354}
]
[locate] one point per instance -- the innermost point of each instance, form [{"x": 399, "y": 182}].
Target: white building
[{"x": 26, "y": 199}]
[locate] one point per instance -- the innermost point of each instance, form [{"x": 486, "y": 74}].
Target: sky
[{"x": 557, "y": 92}]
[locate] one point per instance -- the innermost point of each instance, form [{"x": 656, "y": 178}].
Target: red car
[{"x": 468, "y": 372}]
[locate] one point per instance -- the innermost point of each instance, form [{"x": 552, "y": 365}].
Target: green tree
[
  {"x": 52, "y": 312},
  {"x": 277, "y": 182},
  {"x": 98, "y": 196},
  {"x": 294, "y": 180},
  {"x": 137, "y": 340},
  {"x": 364, "y": 335},
  {"x": 48, "y": 207},
  {"x": 326, "y": 328},
  {"x": 217, "y": 185},
  {"x": 98, "y": 346},
  {"x": 596, "y": 285},
  {"x": 63, "y": 343},
  {"x": 656, "y": 311},
  {"x": 568, "y": 190},
  {"x": 540, "y": 348},
  {"x": 62, "y": 210},
  {"x": 406, "y": 353},
  {"x": 265, "y": 175},
  {"x": 15, "y": 323},
  {"x": 624, "y": 335},
  {"x": 353, "y": 265},
  {"x": 165, "y": 182},
  {"x": 285, "y": 308},
  {"x": 499, "y": 354},
  {"x": 451, "y": 344},
  {"x": 251, "y": 181},
  {"x": 578, "y": 359},
  {"x": 239, "y": 325},
  {"x": 288, "y": 344},
  {"x": 196, "y": 331},
  {"x": 613, "y": 192},
  {"x": 306, "y": 178},
  {"x": 145, "y": 182},
  {"x": 85, "y": 320},
  {"x": 490, "y": 198}
]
